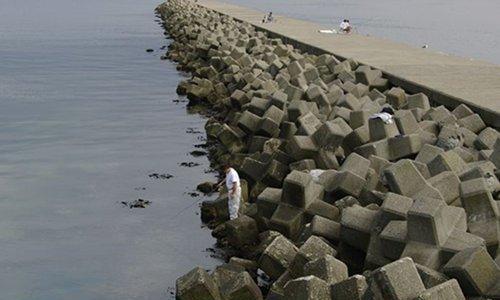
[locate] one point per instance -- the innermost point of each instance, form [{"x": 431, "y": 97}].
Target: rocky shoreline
[{"x": 339, "y": 202}]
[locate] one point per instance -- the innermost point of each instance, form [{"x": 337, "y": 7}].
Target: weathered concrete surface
[{"x": 446, "y": 79}]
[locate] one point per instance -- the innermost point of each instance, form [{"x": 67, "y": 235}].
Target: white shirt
[
  {"x": 344, "y": 25},
  {"x": 386, "y": 117},
  {"x": 231, "y": 179}
]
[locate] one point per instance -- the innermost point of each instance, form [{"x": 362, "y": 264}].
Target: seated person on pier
[
  {"x": 268, "y": 18},
  {"x": 345, "y": 26}
]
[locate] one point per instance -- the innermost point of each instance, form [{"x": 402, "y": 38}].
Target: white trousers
[{"x": 233, "y": 204}]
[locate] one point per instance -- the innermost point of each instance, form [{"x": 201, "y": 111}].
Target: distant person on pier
[
  {"x": 345, "y": 26},
  {"x": 268, "y": 18},
  {"x": 233, "y": 191}
]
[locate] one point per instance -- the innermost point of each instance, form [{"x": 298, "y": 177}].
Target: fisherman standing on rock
[{"x": 233, "y": 191}]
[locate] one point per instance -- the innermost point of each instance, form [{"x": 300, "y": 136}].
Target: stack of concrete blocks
[
  {"x": 423, "y": 185},
  {"x": 286, "y": 210},
  {"x": 226, "y": 282},
  {"x": 483, "y": 215},
  {"x": 306, "y": 271},
  {"x": 432, "y": 234}
]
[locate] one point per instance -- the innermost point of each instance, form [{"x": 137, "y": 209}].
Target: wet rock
[
  {"x": 206, "y": 187},
  {"x": 160, "y": 176},
  {"x": 197, "y": 153},
  {"x": 139, "y": 203},
  {"x": 189, "y": 164}
]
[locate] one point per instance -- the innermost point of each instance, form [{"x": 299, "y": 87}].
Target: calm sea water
[
  {"x": 86, "y": 114},
  {"x": 462, "y": 27}
]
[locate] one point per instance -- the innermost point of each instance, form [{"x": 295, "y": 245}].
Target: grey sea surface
[
  {"x": 462, "y": 27},
  {"x": 86, "y": 115}
]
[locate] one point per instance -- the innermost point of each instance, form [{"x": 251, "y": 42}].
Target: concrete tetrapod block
[
  {"x": 196, "y": 284},
  {"x": 350, "y": 102},
  {"x": 495, "y": 156},
  {"x": 241, "y": 287},
  {"x": 275, "y": 114},
  {"x": 230, "y": 138},
  {"x": 253, "y": 169},
  {"x": 322, "y": 209},
  {"x": 379, "y": 148},
  {"x": 419, "y": 100},
  {"x": 302, "y": 147},
  {"x": 399, "y": 280},
  {"x": 300, "y": 190},
  {"x": 449, "y": 290},
  {"x": 374, "y": 253},
  {"x": 357, "y": 138},
  {"x": 380, "y": 130},
  {"x": 242, "y": 231},
  {"x": 249, "y": 122},
  {"x": 279, "y": 99},
  {"x": 307, "y": 288},
  {"x": 277, "y": 257},
  {"x": 406, "y": 122},
  {"x": 327, "y": 268},
  {"x": 302, "y": 165},
  {"x": 396, "y": 97},
  {"x": 353, "y": 288},
  {"x": 275, "y": 173},
  {"x": 312, "y": 249},
  {"x": 268, "y": 127},
  {"x": 344, "y": 183},
  {"x": 404, "y": 146},
  {"x": 268, "y": 201},
  {"x": 426, "y": 222},
  {"x": 446, "y": 161},
  {"x": 483, "y": 215},
  {"x": 486, "y": 139},
  {"x": 448, "y": 184},
  {"x": 356, "y": 164},
  {"x": 405, "y": 179},
  {"x": 462, "y": 111},
  {"x": 329, "y": 135},
  {"x": 425, "y": 254},
  {"x": 394, "y": 207},
  {"x": 393, "y": 239},
  {"x": 359, "y": 118},
  {"x": 356, "y": 225},
  {"x": 430, "y": 277},
  {"x": 224, "y": 273},
  {"x": 288, "y": 220},
  {"x": 473, "y": 122},
  {"x": 325, "y": 228},
  {"x": 277, "y": 289},
  {"x": 296, "y": 108},
  {"x": 258, "y": 105},
  {"x": 326, "y": 159},
  {"x": 288, "y": 130},
  {"x": 475, "y": 270},
  {"x": 428, "y": 153},
  {"x": 308, "y": 124}
]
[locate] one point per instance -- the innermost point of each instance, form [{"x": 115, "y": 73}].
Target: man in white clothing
[
  {"x": 345, "y": 26},
  {"x": 233, "y": 191}
]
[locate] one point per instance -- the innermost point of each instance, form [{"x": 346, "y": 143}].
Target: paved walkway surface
[{"x": 448, "y": 79}]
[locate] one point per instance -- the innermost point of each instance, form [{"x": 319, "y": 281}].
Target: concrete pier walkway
[{"x": 446, "y": 79}]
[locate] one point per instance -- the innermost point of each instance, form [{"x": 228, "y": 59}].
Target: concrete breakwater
[{"x": 339, "y": 202}]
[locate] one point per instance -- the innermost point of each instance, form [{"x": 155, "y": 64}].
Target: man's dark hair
[{"x": 388, "y": 110}]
